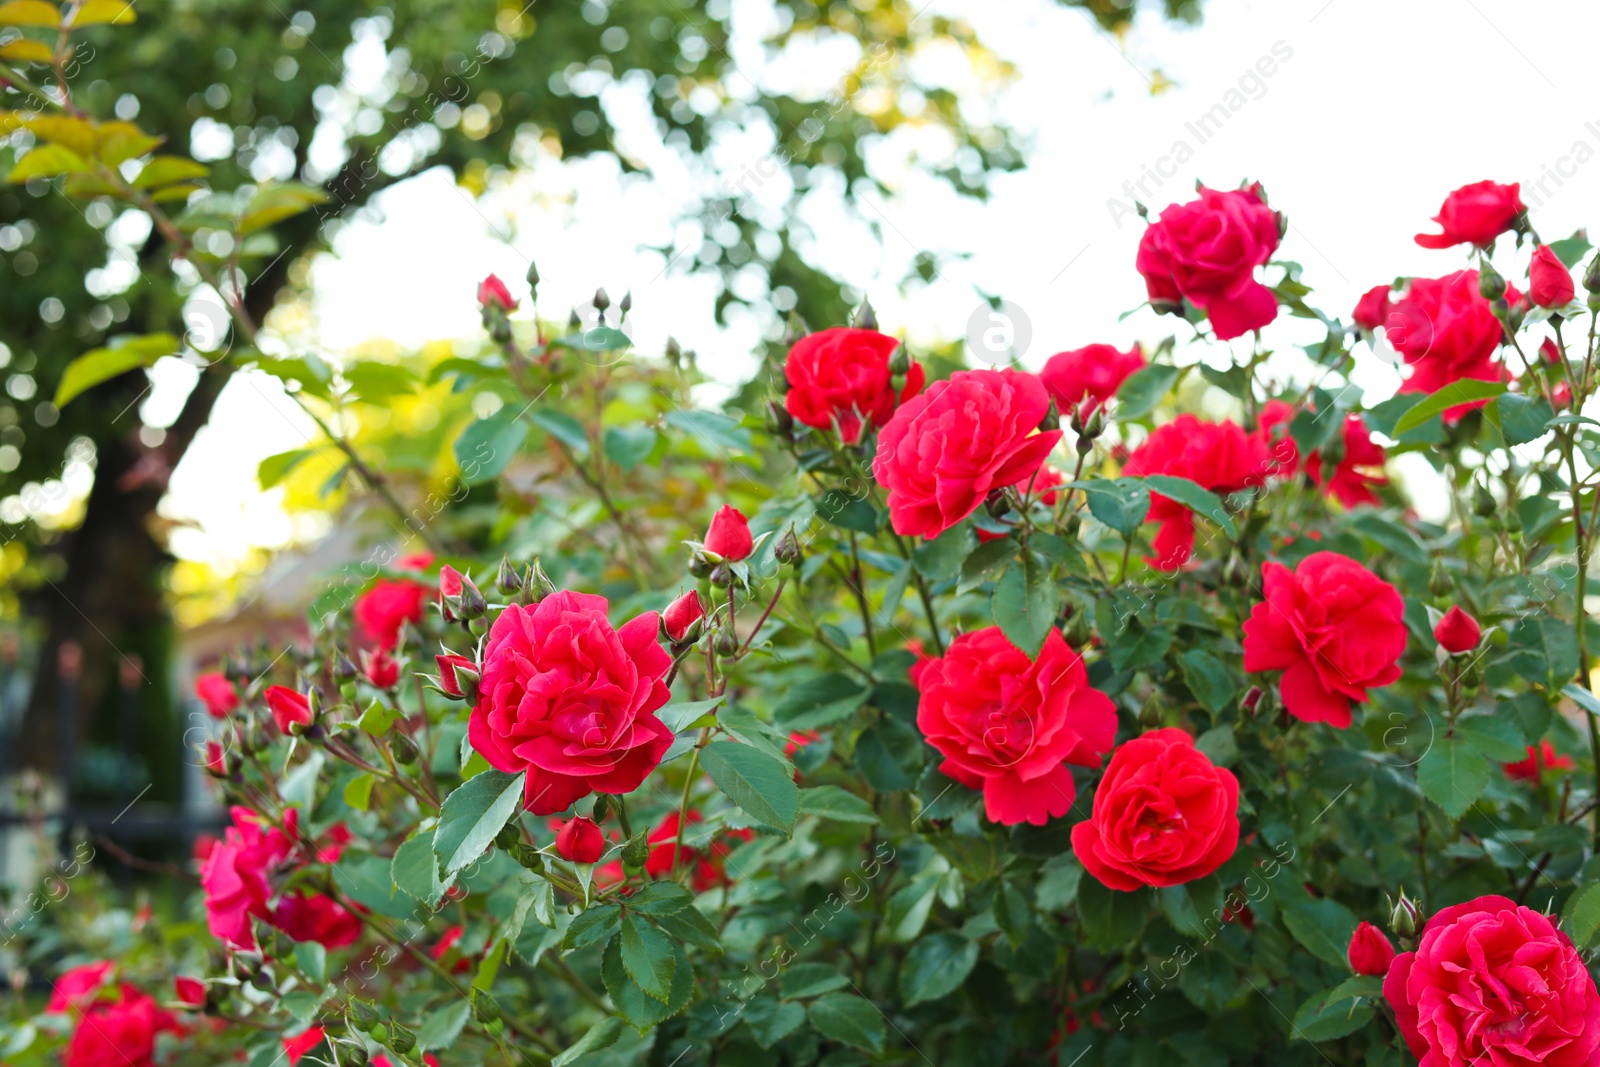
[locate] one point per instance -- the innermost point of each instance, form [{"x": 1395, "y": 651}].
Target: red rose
[
  {"x": 1370, "y": 952},
  {"x": 1475, "y": 214},
  {"x": 1207, "y": 251},
  {"x": 380, "y": 668},
  {"x": 291, "y": 710},
  {"x": 1009, "y": 725},
  {"x": 1539, "y": 760},
  {"x": 728, "y": 537},
  {"x": 1091, "y": 375},
  {"x": 1493, "y": 982},
  {"x": 944, "y": 451},
  {"x": 1372, "y": 310},
  {"x": 1457, "y": 632},
  {"x": 1560, "y": 395},
  {"x": 1164, "y": 814},
  {"x": 841, "y": 376},
  {"x": 458, "y": 676},
  {"x": 119, "y": 1034},
  {"x": 78, "y": 986},
  {"x": 1360, "y": 466},
  {"x": 315, "y": 917},
  {"x": 449, "y": 581},
  {"x": 1549, "y": 281},
  {"x": 493, "y": 291},
  {"x": 296, "y": 1047},
  {"x": 1333, "y": 627},
  {"x": 580, "y": 840},
  {"x": 570, "y": 700},
  {"x": 191, "y": 991},
  {"x": 217, "y": 693},
  {"x": 234, "y": 875},
  {"x": 215, "y": 759},
  {"x": 381, "y": 610},
  {"x": 1550, "y": 351},
  {"x": 707, "y": 867},
  {"x": 1218, "y": 455},
  {"x": 1447, "y": 331},
  {"x": 681, "y": 615}
]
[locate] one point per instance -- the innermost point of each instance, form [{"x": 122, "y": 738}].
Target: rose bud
[
  {"x": 191, "y": 991},
  {"x": 216, "y": 760},
  {"x": 1548, "y": 349},
  {"x": 682, "y": 616},
  {"x": 492, "y": 292},
  {"x": 729, "y": 536},
  {"x": 449, "y": 593},
  {"x": 458, "y": 677},
  {"x": 1457, "y": 632},
  {"x": 1549, "y": 281},
  {"x": 469, "y": 604},
  {"x": 291, "y": 710},
  {"x": 1372, "y": 310},
  {"x": 1370, "y": 952},
  {"x": 580, "y": 841},
  {"x": 217, "y": 693},
  {"x": 506, "y": 579},
  {"x": 380, "y": 668},
  {"x": 1405, "y": 918},
  {"x": 1561, "y": 396}
]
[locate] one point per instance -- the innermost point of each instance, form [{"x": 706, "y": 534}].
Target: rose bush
[{"x": 844, "y": 725}]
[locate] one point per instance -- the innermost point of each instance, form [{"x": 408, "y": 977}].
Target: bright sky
[{"x": 1372, "y": 112}]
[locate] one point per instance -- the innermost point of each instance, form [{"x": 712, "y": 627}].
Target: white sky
[{"x": 1380, "y": 109}]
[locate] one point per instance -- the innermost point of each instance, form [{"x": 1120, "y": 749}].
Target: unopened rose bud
[
  {"x": 1370, "y": 953},
  {"x": 293, "y": 711},
  {"x": 1150, "y": 714},
  {"x": 1252, "y": 699},
  {"x": 1052, "y": 418},
  {"x": 472, "y": 605},
  {"x": 405, "y": 749},
  {"x": 1591, "y": 275},
  {"x": 528, "y": 856},
  {"x": 996, "y": 503},
  {"x": 681, "y": 621},
  {"x": 788, "y": 550},
  {"x": 355, "y": 1054},
  {"x": 574, "y": 322},
  {"x": 344, "y": 668},
  {"x": 700, "y": 567},
  {"x": 537, "y": 583},
  {"x": 1490, "y": 285},
  {"x": 401, "y": 1039},
  {"x": 1457, "y": 632},
  {"x": 636, "y": 851},
  {"x": 900, "y": 362},
  {"x": 779, "y": 421},
  {"x": 722, "y": 576},
  {"x": 727, "y": 643},
  {"x": 533, "y": 275},
  {"x": 1405, "y": 917},
  {"x": 673, "y": 353},
  {"x": 506, "y": 579},
  {"x": 627, "y": 303},
  {"x": 484, "y": 1009},
  {"x": 866, "y": 318},
  {"x": 1440, "y": 583},
  {"x": 580, "y": 841}
]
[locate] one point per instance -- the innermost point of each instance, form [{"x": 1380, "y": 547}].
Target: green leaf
[
  {"x": 820, "y": 701},
  {"x": 358, "y": 791},
  {"x": 1058, "y": 883},
  {"x": 831, "y": 802},
  {"x": 1191, "y": 495},
  {"x": 755, "y": 781},
  {"x": 1460, "y": 391},
  {"x": 103, "y": 364},
  {"x": 1523, "y": 418},
  {"x": 660, "y": 898},
  {"x": 103, "y": 13},
  {"x": 1581, "y": 697},
  {"x": 640, "y": 1009},
  {"x": 563, "y": 427},
  {"x": 1219, "y": 745},
  {"x": 1324, "y": 1018},
  {"x": 473, "y": 814},
  {"x": 1323, "y": 926},
  {"x": 312, "y": 960},
  {"x": 441, "y": 1028},
  {"x": 1011, "y": 912},
  {"x": 1111, "y": 918},
  {"x": 597, "y": 923},
  {"x": 714, "y": 432},
  {"x": 692, "y": 927},
  {"x": 1580, "y": 919},
  {"x": 986, "y": 562},
  {"x": 849, "y": 1018},
  {"x": 771, "y": 1020},
  {"x": 678, "y": 717},
  {"x": 1497, "y": 736},
  {"x": 1195, "y": 908},
  {"x": 1453, "y": 774},
  {"x": 487, "y": 445},
  {"x": 275, "y": 202},
  {"x": 936, "y": 966},
  {"x": 647, "y": 956},
  {"x": 629, "y": 446},
  {"x": 942, "y": 557},
  {"x": 47, "y": 161},
  {"x": 1208, "y": 678},
  {"x": 810, "y": 980},
  {"x": 1545, "y": 649},
  {"x": 415, "y": 870},
  {"x": 1143, "y": 390},
  {"x": 164, "y": 170},
  {"x": 378, "y": 383},
  {"x": 275, "y": 468},
  {"x": 1120, "y": 503},
  {"x": 366, "y": 879},
  {"x": 1570, "y": 250},
  {"x": 597, "y": 1037},
  {"x": 29, "y": 13},
  {"x": 1026, "y": 603}
]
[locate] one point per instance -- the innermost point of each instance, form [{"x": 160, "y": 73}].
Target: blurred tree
[{"x": 354, "y": 98}]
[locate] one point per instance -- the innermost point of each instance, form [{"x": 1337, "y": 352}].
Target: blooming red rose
[
  {"x": 570, "y": 700},
  {"x": 1370, "y": 952},
  {"x": 1549, "y": 281},
  {"x": 1457, "y": 632},
  {"x": 1475, "y": 214},
  {"x": 944, "y": 451},
  {"x": 493, "y": 291},
  {"x": 1372, "y": 310},
  {"x": 120, "y": 1033},
  {"x": 380, "y": 668},
  {"x": 315, "y": 917},
  {"x": 681, "y": 615},
  {"x": 1164, "y": 814},
  {"x": 1447, "y": 331},
  {"x": 1492, "y": 982},
  {"x": 1009, "y": 725},
  {"x": 1360, "y": 465},
  {"x": 580, "y": 840},
  {"x": 382, "y": 610},
  {"x": 1089, "y": 375},
  {"x": 78, "y": 986},
  {"x": 235, "y": 875},
  {"x": 1539, "y": 760},
  {"x": 217, "y": 693},
  {"x": 1207, "y": 251},
  {"x": 841, "y": 376},
  {"x": 728, "y": 537},
  {"x": 1220, "y": 456},
  {"x": 291, "y": 710},
  {"x": 1333, "y": 627}
]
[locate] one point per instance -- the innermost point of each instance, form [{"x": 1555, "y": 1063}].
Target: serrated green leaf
[
  {"x": 473, "y": 814},
  {"x": 849, "y": 1018},
  {"x": 756, "y": 782},
  {"x": 629, "y": 446},
  {"x": 1195, "y": 497},
  {"x": 1461, "y": 391},
  {"x": 936, "y": 966},
  {"x": 647, "y": 956},
  {"x": 1453, "y": 774}
]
